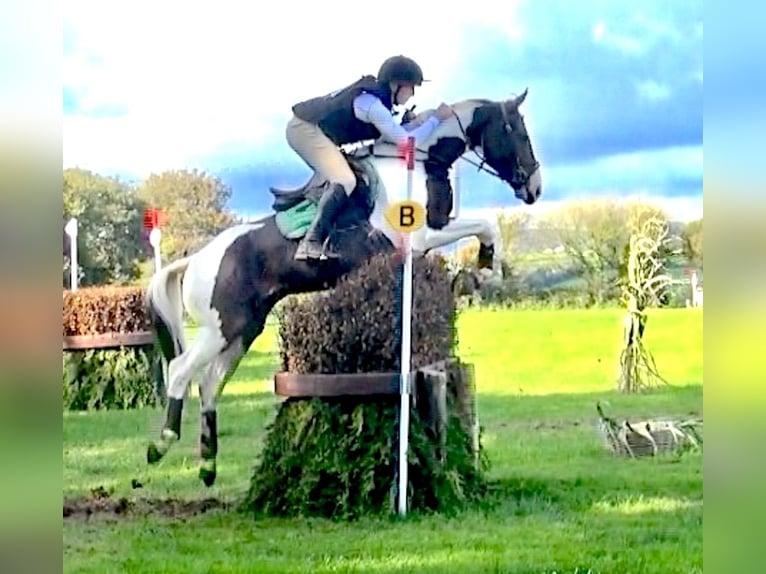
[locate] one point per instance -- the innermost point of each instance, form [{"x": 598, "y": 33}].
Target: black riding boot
[{"x": 330, "y": 204}]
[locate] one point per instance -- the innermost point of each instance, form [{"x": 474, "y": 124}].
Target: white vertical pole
[
  {"x": 154, "y": 239},
  {"x": 695, "y": 295},
  {"x": 71, "y": 231},
  {"x": 404, "y": 418}
]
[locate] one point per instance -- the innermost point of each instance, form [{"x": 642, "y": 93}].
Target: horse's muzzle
[{"x": 532, "y": 189}]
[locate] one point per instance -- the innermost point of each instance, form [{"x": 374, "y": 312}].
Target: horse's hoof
[
  {"x": 486, "y": 256},
  {"x": 207, "y": 476},
  {"x": 153, "y": 454},
  {"x": 207, "y": 472}
]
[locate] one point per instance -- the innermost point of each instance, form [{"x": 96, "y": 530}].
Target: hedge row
[
  {"x": 104, "y": 309},
  {"x": 354, "y": 328},
  {"x": 107, "y": 378}
]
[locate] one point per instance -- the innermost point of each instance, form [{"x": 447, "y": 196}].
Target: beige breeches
[{"x": 319, "y": 152}]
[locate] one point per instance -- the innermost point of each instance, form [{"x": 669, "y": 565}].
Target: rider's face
[{"x": 403, "y": 92}]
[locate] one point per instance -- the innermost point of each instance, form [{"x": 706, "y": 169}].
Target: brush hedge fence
[
  {"x": 109, "y": 361},
  {"x": 336, "y": 456}
]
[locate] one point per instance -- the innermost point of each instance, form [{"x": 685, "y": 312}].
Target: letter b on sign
[{"x": 406, "y": 216}]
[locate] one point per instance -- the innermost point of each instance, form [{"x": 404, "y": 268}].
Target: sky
[{"x": 615, "y": 103}]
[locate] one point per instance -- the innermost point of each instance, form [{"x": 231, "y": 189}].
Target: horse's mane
[{"x": 458, "y": 106}]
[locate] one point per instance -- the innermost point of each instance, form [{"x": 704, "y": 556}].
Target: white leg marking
[
  {"x": 457, "y": 229},
  {"x": 206, "y": 346},
  {"x": 217, "y": 373}
]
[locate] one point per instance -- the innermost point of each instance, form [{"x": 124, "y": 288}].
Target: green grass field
[{"x": 560, "y": 502}]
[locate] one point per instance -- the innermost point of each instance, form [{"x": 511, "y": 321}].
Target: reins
[{"x": 480, "y": 166}]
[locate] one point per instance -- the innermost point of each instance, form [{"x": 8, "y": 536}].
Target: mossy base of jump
[{"x": 337, "y": 457}]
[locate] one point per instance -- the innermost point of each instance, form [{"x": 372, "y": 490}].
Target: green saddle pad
[{"x": 293, "y": 223}]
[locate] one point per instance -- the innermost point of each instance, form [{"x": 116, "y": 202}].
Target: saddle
[
  {"x": 296, "y": 208},
  {"x": 287, "y": 198}
]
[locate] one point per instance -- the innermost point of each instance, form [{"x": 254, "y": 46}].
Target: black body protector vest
[{"x": 334, "y": 113}]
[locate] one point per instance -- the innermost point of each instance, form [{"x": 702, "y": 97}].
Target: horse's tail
[{"x": 164, "y": 306}]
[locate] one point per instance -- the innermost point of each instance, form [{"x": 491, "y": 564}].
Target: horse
[{"x": 232, "y": 283}]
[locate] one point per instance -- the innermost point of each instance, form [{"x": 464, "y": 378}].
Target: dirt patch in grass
[{"x": 101, "y": 504}]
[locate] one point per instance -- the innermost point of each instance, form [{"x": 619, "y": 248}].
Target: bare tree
[
  {"x": 643, "y": 286},
  {"x": 691, "y": 238},
  {"x": 512, "y": 227}
]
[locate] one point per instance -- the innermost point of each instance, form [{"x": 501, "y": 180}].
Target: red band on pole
[{"x": 408, "y": 152}]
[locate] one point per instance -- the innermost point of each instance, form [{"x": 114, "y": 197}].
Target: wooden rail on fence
[
  {"x": 336, "y": 385},
  {"x": 305, "y": 385},
  {"x": 107, "y": 340},
  {"x": 431, "y": 386}
]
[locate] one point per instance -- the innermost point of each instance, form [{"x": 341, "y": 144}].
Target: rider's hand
[
  {"x": 443, "y": 112},
  {"x": 409, "y": 115}
]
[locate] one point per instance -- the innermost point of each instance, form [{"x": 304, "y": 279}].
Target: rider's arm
[{"x": 369, "y": 108}]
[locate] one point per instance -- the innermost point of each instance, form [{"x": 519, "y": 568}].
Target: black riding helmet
[{"x": 400, "y": 69}]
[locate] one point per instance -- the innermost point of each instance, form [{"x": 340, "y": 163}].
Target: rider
[{"x": 360, "y": 111}]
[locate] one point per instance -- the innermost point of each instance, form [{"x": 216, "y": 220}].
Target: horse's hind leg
[
  {"x": 207, "y": 345},
  {"x": 215, "y": 377},
  {"x": 245, "y": 324}
]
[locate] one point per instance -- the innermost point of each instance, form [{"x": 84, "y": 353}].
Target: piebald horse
[{"x": 232, "y": 283}]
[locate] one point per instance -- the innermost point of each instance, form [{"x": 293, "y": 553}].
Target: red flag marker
[{"x": 154, "y": 218}]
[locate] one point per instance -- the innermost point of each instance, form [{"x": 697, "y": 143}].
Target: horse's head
[{"x": 498, "y": 129}]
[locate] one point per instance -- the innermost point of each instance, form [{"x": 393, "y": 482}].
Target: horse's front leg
[{"x": 490, "y": 248}]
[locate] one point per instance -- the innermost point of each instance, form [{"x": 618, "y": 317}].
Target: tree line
[
  {"x": 580, "y": 249},
  {"x": 113, "y": 245},
  {"x": 583, "y": 240}
]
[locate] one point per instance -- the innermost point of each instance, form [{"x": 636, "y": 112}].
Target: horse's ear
[
  {"x": 481, "y": 117},
  {"x": 518, "y": 100}
]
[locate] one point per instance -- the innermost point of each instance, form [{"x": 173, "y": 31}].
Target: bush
[
  {"x": 96, "y": 310},
  {"x": 107, "y": 378},
  {"x": 353, "y": 328},
  {"x": 337, "y": 457},
  {"x": 677, "y": 295}
]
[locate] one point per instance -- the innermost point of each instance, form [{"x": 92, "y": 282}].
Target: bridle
[{"x": 521, "y": 174}]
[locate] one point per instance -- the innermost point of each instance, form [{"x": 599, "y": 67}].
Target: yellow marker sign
[{"x": 406, "y": 216}]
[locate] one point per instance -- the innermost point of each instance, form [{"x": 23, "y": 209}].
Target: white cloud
[
  {"x": 598, "y": 30},
  {"x": 645, "y": 33},
  {"x": 644, "y": 168},
  {"x": 657, "y": 28},
  {"x": 196, "y": 76},
  {"x": 603, "y": 35},
  {"x": 653, "y": 91}
]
